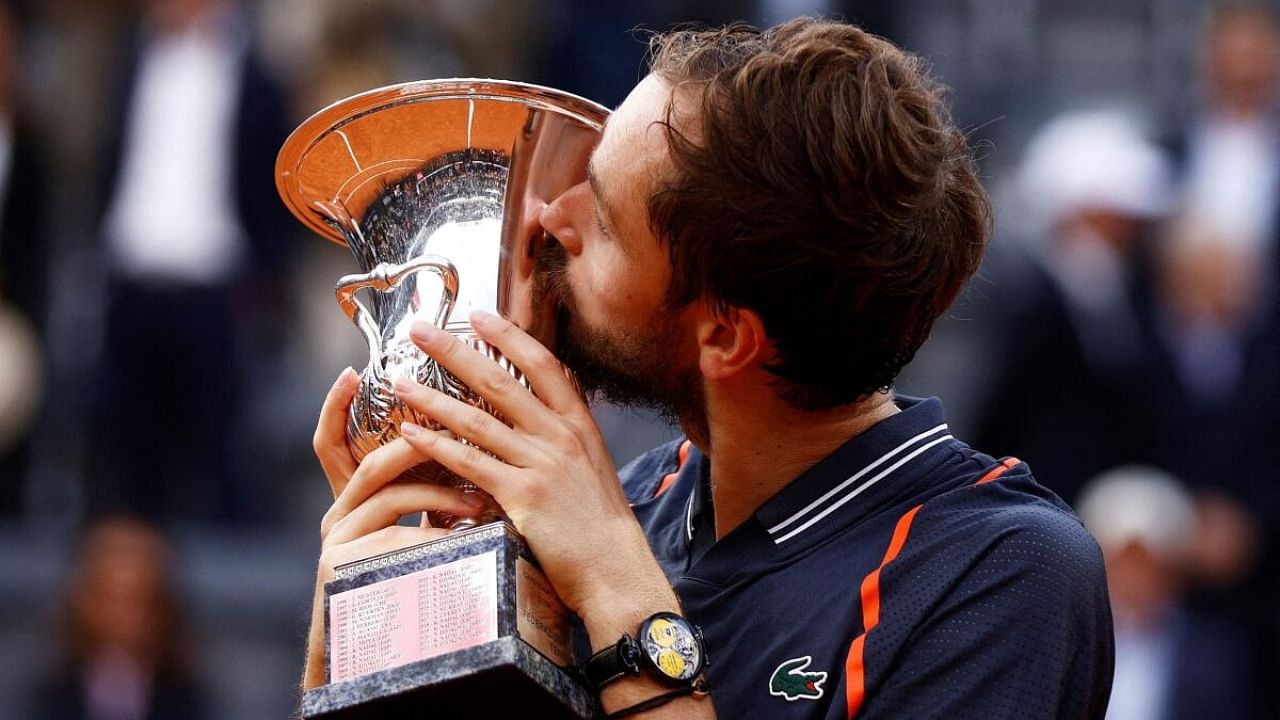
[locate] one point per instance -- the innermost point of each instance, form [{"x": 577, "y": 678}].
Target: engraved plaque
[{"x": 420, "y": 615}]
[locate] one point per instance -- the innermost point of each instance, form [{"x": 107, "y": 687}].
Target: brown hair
[{"x": 823, "y": 186}]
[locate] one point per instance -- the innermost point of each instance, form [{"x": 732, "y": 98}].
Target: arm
[{"x": 552, "y": 474}]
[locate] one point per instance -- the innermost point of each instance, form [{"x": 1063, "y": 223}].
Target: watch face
[{"x": 672, "y": 647}]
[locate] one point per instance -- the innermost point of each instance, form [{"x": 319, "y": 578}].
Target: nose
[{"x": 562, "y": 218}]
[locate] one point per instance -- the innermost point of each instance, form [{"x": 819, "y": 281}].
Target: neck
[{"x": 757, "y": 444}]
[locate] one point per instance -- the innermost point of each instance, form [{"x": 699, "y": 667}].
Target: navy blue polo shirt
[{"x": 903, "y": 576}]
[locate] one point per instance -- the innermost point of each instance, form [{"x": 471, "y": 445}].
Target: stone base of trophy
[{"x": 467, "y": 623}]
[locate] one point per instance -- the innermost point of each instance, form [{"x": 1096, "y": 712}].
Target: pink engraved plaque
[{"x": 412, "y": 617}]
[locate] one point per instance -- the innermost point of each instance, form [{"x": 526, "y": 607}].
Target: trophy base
[
  {"x": 504, "y": 678},
  {"x": 467, "y": 622}
]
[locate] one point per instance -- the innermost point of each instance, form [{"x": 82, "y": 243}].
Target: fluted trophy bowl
[{"x": 435, "y": 187}]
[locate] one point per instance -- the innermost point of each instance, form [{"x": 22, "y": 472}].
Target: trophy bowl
[{"x": 435, "y": 187}]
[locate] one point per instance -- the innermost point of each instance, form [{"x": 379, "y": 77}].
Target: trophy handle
[{"x": 385, "y": 277}]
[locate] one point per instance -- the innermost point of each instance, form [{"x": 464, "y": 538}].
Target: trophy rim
[{"x": 342, "y": 112}]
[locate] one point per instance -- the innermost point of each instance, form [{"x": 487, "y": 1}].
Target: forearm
[{"x": 313, "y": 669}]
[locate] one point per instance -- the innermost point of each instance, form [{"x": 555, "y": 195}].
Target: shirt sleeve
[
  {"x": 1002, "y": 616},
  {"x": 641, "y": 476}
]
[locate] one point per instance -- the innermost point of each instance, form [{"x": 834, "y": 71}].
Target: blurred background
[{"x": 167, "y": 331}]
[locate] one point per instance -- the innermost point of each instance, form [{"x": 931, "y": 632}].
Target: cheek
[{"x": 606, "y": 279}]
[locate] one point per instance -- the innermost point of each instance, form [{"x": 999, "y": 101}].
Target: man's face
[
  {"x": 1243, "y": 52},
  {"x": 607, "y": 273}
]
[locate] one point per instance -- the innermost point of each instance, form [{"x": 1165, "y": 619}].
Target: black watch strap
[{"x": 611, "y": 663}]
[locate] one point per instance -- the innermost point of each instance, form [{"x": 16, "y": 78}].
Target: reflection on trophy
[{"x": 435, "y": 188}]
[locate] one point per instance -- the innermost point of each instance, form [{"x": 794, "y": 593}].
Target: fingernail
[
  {"x": 410, "y": 430},
  {"x": 474, "y": 500},
  {"x": 423, "y": 331},
  {"x": 404, "y": 385},
  {"x": 344, "y": 376},
  {"x": 480, "y": 317}
]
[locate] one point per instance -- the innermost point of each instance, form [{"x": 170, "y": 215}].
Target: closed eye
[{"x": 600, "y": 221}]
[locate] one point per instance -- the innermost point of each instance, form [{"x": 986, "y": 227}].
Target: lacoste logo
[{"x": 792, "y": 682}]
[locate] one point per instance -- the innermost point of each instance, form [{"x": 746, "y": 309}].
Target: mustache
[{"x": 551, "y": 264}]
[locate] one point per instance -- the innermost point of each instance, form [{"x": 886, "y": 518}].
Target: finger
[
  {"x": 466, "y": 421},
  {"x": 465, "y": 460},
  {"x": 378, "y": 469},
  {"x": 379, "y": 542},
  {"x": 481, "y": 374},
  {"x": 330, "y": 440},
  {"x": 555, "y": 387},
  {"x": 385, "y": 508}
]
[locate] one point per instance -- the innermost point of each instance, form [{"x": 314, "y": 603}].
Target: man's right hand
[{"x": 367, "y": 506}]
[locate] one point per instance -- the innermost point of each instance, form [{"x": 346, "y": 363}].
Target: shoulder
[
  {"x": 642, "y": 476},
  {"x": 990, "y": 575},
  {"x": 1011, "y": 522}
]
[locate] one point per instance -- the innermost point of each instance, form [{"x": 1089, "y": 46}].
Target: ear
[{"x": 730, "y": 342}]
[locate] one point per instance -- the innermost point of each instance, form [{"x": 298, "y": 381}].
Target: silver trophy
[{"x": 436, "y": 188}]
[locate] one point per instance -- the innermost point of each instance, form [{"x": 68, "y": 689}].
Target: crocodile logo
[{"x": 792, "y": 682}]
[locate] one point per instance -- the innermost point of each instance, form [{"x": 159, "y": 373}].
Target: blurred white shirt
[
  {"x": 1232, "y": 180},
  {"x": 173, "y": 216},
  {"x": 1143, "y": 666}
]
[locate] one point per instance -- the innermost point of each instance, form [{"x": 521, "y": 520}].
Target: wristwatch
[{"x": 667, "y": 647}]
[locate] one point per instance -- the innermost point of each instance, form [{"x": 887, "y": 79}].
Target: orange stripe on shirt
[
  {"x": 1004, "y": 467},
  {"x": 854, "y": 669},
  {"x": 682, "y": 456},
  {"x": 854, "y": 666}
]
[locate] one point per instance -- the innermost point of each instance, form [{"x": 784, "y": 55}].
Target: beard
[{"x": 630, "y": 366}]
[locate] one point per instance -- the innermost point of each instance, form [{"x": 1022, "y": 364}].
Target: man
[
  {"x": 772, "y": 223},
  {"x": 195, "y": 248}
]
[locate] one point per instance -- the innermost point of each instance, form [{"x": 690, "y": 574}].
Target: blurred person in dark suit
[
  {"x": 1215, "y": 383},
  {"x": 1073, "y": 347},
  {"x": 1212, "y": 396},
  {"x": 1227, "y": 156},
  {"x": 1172, "y": 662},
  {"x": 24, "y": 270},
  {"x": 123, "y": 652},
  {"x": 1217, "y": 322},
  {"x": 196, "y": 245}
]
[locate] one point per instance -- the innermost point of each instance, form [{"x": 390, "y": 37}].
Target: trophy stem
[{"x": 457, "y": 523}]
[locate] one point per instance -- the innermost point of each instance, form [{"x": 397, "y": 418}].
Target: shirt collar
[
  {"x": 845, "y": 485},
  {"x": 829, "y": 491}
]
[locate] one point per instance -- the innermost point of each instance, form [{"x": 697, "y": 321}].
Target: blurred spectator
[
  {"x": 195, "y": 239},
  {"x": 1228, "y": 154},
  {"x": 1215, "y": 382},
  {"x": 1215, "y": 388},
  {"x": 124, "y": 655},
  {"x": 24, "y": 270},
  {"x": 1171, "y": 662},
  {"x": 1072, "y": 349},
  {"x": 1217, "y": 325}
]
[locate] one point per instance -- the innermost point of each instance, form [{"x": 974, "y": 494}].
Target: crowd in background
[{"x": 167, "y": 330}]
